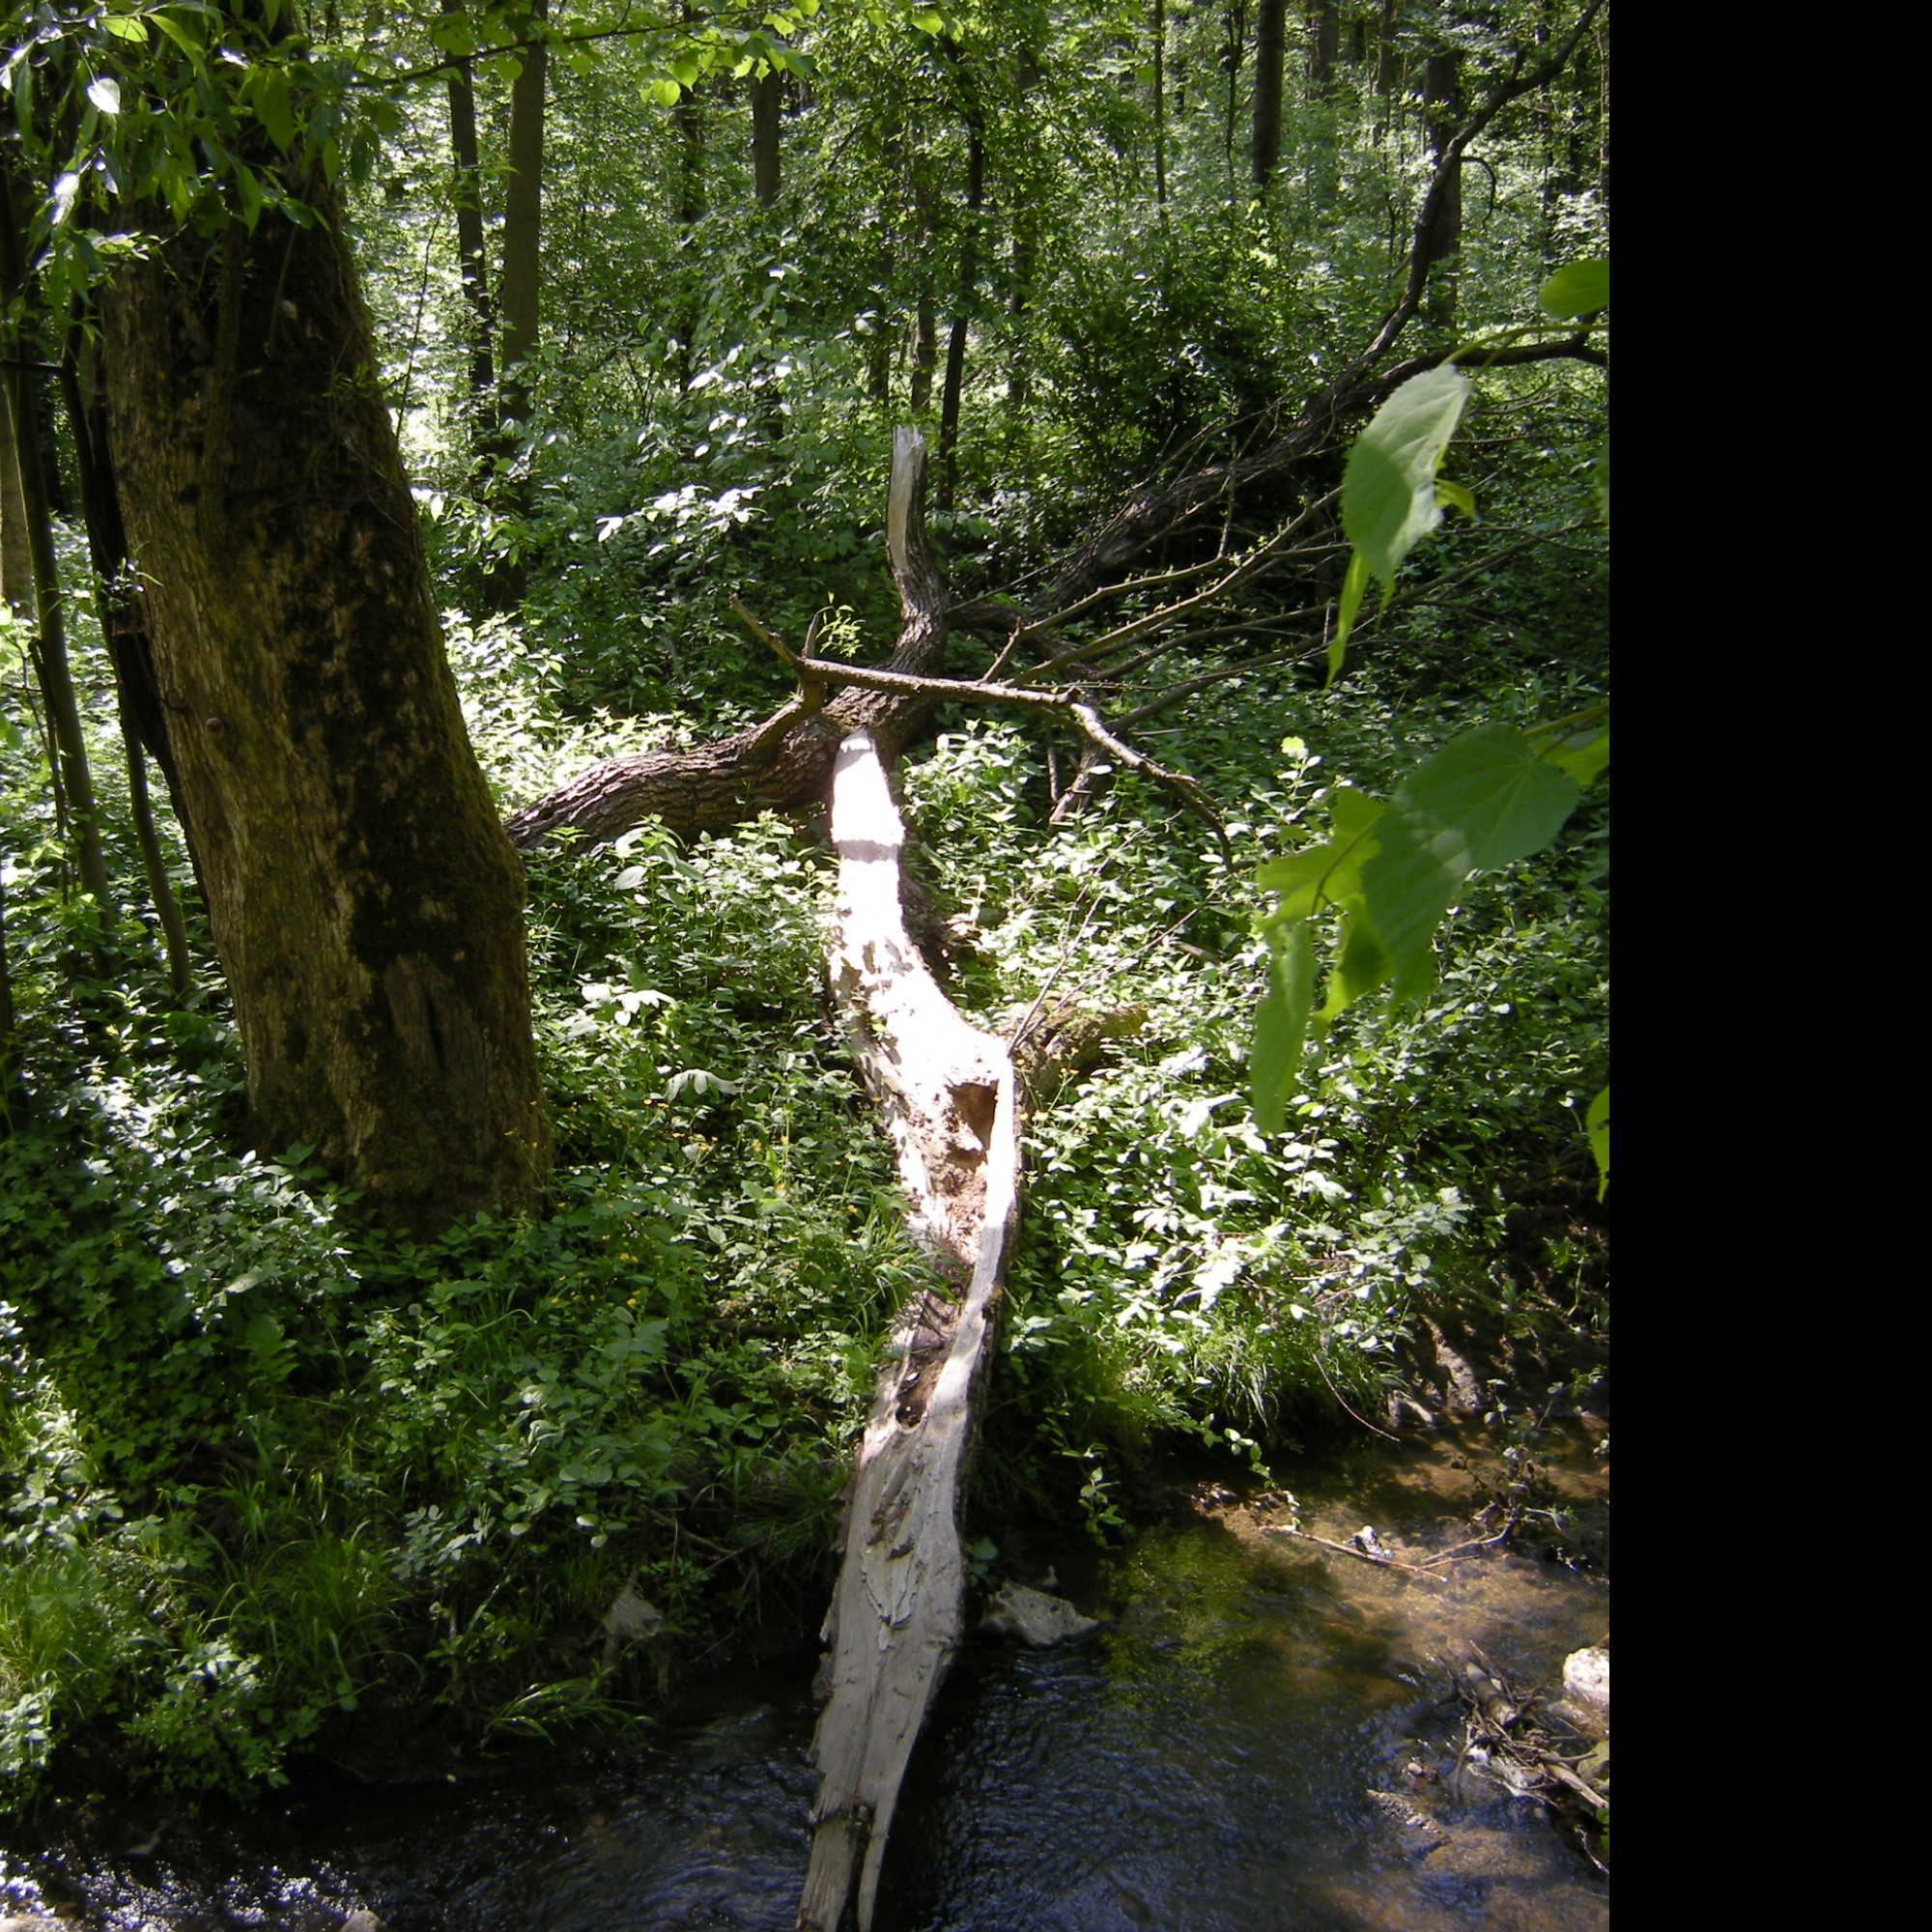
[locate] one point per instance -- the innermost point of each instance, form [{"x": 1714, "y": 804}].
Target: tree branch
[{"x": 1515, "y": 84}]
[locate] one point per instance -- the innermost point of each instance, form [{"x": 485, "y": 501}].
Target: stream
[{"x": 1202, "y": 1763}]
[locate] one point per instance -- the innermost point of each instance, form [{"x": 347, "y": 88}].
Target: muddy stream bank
[{"x": 1264, "y": 1734}]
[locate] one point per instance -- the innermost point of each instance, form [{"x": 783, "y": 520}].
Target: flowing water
[{"x": 1202, "y": 1763}]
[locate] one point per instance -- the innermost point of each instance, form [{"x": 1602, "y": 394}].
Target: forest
[{"x": 474, "y": 478}]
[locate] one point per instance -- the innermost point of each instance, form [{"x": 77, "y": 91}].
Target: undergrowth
[{"x": 276, "y": 1481}]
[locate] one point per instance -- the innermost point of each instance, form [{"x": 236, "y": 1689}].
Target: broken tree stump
[{"x": 947, "y": 1092}]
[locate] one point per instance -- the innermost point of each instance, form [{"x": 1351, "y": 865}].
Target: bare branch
[
  {"x": 1515, "y": 84},
  {"x": 1250, "y": 565}
]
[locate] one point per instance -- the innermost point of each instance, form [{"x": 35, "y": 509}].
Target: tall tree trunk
[
  {"x": 124, "y": 619},
  {"x": 16, "y": 560},
  {"x": 767, "y": 99},
  {"x": 1600, "y": 104},
  {"x": 23, "y": 423},
  {"x": 1025, "y": 257},
  {"x": 1389, "y": 66},
  {"x": 124, "y": 629},
  {"x": 1160, "y": 103},
  {"x": 1270, "y": 59},
  {"x": 924, "y": 351},
  {"x": 1325, "y": 29},
  {"x": 518, "y": 289},
  {"x": 20, "y": 422},
  {"x": 1023, "y": 261},
  {"x": 363, "y": 898},
  {"x": 522, "y": 224},
  {"x": 472, "y": 262},
  {"x": 1442, "y": 109},
  {"x": 688, "y": 116},
  {"x": 6, "y": 1020},
  {"x": 1234, "y": 52},
  {"x": 956, "y": 345},
  {"x": 16, "y": 572}
]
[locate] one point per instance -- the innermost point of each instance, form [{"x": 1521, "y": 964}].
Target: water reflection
[{"x": 1204, "y": 1762}]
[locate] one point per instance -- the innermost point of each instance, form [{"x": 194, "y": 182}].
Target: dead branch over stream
[{"x": 947, "y": 1092}]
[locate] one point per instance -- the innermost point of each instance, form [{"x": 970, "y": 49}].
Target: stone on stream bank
[
  {"x": 1033, "y": 1617},
  {"x": 1586, "y": 1680}
]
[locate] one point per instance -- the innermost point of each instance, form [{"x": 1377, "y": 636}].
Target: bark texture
[
  {"x": 364, "y": 901},
  {"x": 947, "y": 1092}
]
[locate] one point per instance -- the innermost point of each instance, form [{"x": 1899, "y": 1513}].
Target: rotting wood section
[{"x": 946, "y": 1091}]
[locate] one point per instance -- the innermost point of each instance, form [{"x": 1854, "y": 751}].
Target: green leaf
[
  {"x": 1388, "y": 491},
  {"x": 664, "y": 93},
  {"x": 452, "y": 35},
  {"x": 1483, "y": 800},
  {"x": 1351, "y": 812},
  {"x": 1584, "y": 756},
  {"x": 1325, "y": 874},
  {"x": 1597, "y": 1124},
  {"x": 928, "y": 20},
  {"x": 251, "y": 190},
  {"x": 125, "y": 27},
  {"x": 106, "y": 94},
  {"x": 1453, "y": 497},
  {"x": 1578, "y": 288},
  {"x": 273, "y": 108},
  {"x": 1353, "y": 587},
  {"x": 1282, "y": 1024},
  {"x": 178, "y": 34},
  {"x": 1362, "y": 966}
]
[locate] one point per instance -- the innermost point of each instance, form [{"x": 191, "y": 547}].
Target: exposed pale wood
[{"x": 947, "y": 1092}]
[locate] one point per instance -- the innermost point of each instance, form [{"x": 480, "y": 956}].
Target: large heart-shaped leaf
[
  {"x": 1389, "y": 500},
  {"x": 1578, "y": 288},
  {"x": 1483, "y": 800}
]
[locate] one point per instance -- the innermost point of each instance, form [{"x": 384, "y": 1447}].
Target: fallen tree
[{"x": 947, "y": 1092}]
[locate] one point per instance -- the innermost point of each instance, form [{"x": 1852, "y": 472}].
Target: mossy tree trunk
[{"x": 365, "y": 903}]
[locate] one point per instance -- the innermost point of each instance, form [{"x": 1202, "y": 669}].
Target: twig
[
  {"x": 1351, "y": 1550},
  {"x": 1548, "y": 1762},
  {"x": 1462, "y": 1549},
  {"x": 1046, "y": 985},
  {"x": 1338, "y": 1397},
  {"x": 1245, "y": 567},
  {"x": 809, "y": 696}
]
